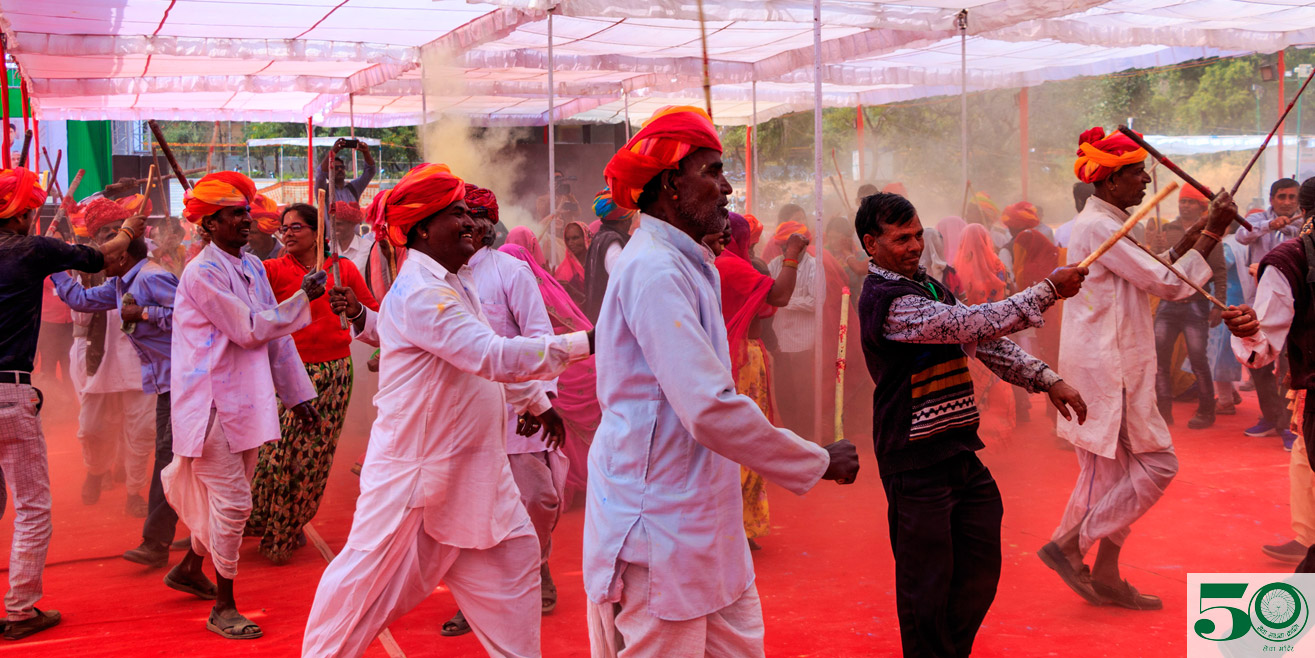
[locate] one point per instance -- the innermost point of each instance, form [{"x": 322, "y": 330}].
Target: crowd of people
[{"x": 236, "y": 327}]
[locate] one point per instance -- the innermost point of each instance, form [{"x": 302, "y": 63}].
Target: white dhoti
[
  {"x": 107, "y": 421},
  {"x": 1111, "y": 494},
  {"x": 363, "y": 591},
  {"x": 212, "y": 495},
  {"x": 628, "y": 630},
  {"x": 541, "y": 479}
]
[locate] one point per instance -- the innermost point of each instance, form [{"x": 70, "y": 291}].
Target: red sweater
[{"x": 323, "y": 339}]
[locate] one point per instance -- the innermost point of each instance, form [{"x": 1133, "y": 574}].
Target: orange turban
[
  {"x": 755, "y": 229},
  {"x": 103, "y": 212},
  {"x": 423, "y": 191},
  {"x": 1099, "y": 156},
  {"x": 1190, "y": 192},
  {"x": 672, "y": 133},
  {"x": 214, "y": 192},
  {"x": 20, "y": 191},
  {"x": 266, "y": 214},
  {"x": 787, "y": 229},
  {"x": 136, "y": 204},
  {"x": 1021, "y": 216}
]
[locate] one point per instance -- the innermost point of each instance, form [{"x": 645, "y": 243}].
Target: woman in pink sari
[
  {"x": 577, "y": 396},
  {"x": 982, "y": 278},
  {"x": 571, "y": 272},
  {"x": 524, "y": 237}
]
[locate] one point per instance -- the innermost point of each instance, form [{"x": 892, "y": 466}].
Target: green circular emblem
[{"x": 1278, "y": 612}]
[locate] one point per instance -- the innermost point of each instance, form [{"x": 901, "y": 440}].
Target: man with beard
[{"x": 666, "y": 566}]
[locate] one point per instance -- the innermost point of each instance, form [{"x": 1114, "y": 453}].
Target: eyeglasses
[{"x": 293, "y": 228}]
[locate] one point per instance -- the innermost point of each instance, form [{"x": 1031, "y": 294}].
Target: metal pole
[
  {"x": 753, "y": 182},
  {"x": 1297, "y": 172},
  {"x": 310, "y": 162},
  {"x": 819, "y": 282},
  {"x": 249, "y": 172},
  {"x": 1023, "y": 138},
  {"x": 962, "y": 21},
  {"x": 424, "y": 112},
  {"x": 1282, "y": 101},
  {"x": 5, "y": 142},
  {"x": 862, "y": 146},
  {"x": 351, "y": 121},
  {"x": 625, "y": 101},
  {"x": 552, "y": 132}
]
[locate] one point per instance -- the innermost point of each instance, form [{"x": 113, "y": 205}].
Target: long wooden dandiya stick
[
  {"x": 169, "y": 154},
  {"x": 1177, "y": 273},
  {"x": 840, "y": 177},
  {"x": 1187, "y": 178},
  {"x": 27, "y": 144},
  {"x": 1128, "y": 225},
  {"x": 333, "y": 240},
  {"x": 59, "y": 214},
  {"x": 1270, "y": 136},
  {"x": 840, "y": 364},
  {"x": 319, "y": 233},
  {"x": 54, "y": 168}
]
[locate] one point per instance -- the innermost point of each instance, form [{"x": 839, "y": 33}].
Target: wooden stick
[
  {"x": 1127, "y": 226},
  {"x": 1178, "y": 274},
  {"x": 1155, "y": 183},
  {"x": 68, "y": 198},
  {"x": 150, "y": 183},
  {"x": 707, "y": 81},
  {"x": 1270, "y": 136},
  {"x": 319, "y": 233},
  {"x": 210, "y": 154},
  {"x": 385, "y": 637},
  {"x": 54, "y": 168},
  {"x": 27, "y": 144},
  {"x": 169, "y": 154},
  {"x": 841, "y": 178},
  {"x": 840, "y": 363},
  {"x": 840, "y": 194},
  {"x": 967, "y": 187},
  {"x": 333, "y": 243},
  {"x": 1187, "y": 178}
]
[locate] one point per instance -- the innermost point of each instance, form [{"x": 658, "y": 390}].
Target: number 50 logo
[{"x": 1277, "y": 611}]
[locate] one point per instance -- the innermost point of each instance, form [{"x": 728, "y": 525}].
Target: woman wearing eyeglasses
[{"x": 291, "y": 473}]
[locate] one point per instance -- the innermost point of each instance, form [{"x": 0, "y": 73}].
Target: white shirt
[
  {"x": 1262, "y": 237},
  {"x": 1275, "y": 312},
  {"x": 795, "y": 324},
  {"x": 358, "y": 252},
  {"x": 1107, "y": 348},
  {"x": 232, "y": 350},
  {"x": 438, "y": 440},
  {"x": 1064, "y": 233},
  {"x": 513, "y": 305},
  {"x": 613, "y": 254},
  {"x": 120, "y": 370},
  {"x": 664, "y": 475}
]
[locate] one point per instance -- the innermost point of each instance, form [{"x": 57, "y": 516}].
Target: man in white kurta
[
  {"x": 666, "y": 565},
  {"x": 233, "y": 362},
  {"x": 1124, "y": 450},
  {"x": 438, "y": 500}
]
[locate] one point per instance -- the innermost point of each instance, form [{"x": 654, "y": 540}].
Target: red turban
[
  {"x": 1099, "y": 156},
  {"x": 347, "y": 211},
  {"x": 671, "y": 134},
  {"x": 755, "y": 229},
  {"x": 1190, "y": 192},
  {"x": 214, "y": 192},
  {"x": 482, "y": 202},
  {"x": 20, "y": 191},
  {"x": 137, "y": 204},
  {"x": 1021, "y": 216},
  {"x": 266, "y": 214},
  {"x": 423, "y": 191},
  {"x": 103, "y": 212}
]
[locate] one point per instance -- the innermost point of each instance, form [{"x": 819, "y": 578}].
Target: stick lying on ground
[
  {"x": 1187, "y": 178},
  {"x": 1132, "y": 221}
]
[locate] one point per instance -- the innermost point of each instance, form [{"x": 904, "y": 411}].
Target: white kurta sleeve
[
  {"x": 370, "y": 333},
  {"x": 663, "y": 317},
  {"x": 291, "y": 382},
  {"x": 238, "y": 322},
  {"x": 1137, "y": 267},
  {"x": 1275, "y": 312}
]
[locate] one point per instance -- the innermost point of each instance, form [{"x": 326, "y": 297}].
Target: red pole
[
  {"x": 1023, "y": 137},
  {"x": 6, "y": 141},
  {"x": 1282, "y": 101},
  {"x": 310, "y": 160},
  {"x": 862, "y": 148},
  {"x": 748, "y": 169}
]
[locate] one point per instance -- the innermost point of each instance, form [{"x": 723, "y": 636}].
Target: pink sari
[
  {"x": 571, "y": 272},
  {"x": 577, "y": 393},
  {"x": 524, "y": 237}
]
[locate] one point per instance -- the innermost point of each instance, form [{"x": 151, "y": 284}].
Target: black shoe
[
  {"x": 1201, "y": 421},
  {"x": 17, "y": 630},
  {"x": 1077, "y": 580},
  {"x": 1126, "y": 596},
  {"x": 149, "y": 554},
  {"x": 91, "y": 489},
  {"x": 1292, "y": 552}
]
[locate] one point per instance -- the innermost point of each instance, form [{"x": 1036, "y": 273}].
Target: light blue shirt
[
  {"x": 1263, "y": 239},
  {"x": 152, "y": 287},
  {"x": 664, "y": 474}
]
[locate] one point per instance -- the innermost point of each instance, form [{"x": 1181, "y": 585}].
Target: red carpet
[{"x": 825, "y": 575}]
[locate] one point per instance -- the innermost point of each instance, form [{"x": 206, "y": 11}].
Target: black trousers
[
  {"x": 1308, "y": 435},
  {"x": 161, "y": 520},
  {"x": 945, "y": 532},
  {"x": 1272, "y": 395}
]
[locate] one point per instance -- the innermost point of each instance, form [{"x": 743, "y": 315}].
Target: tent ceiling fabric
[{"x": 206, "y": 59}]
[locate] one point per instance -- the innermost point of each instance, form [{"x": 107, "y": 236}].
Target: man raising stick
[
  {"x": 1125, "y": 454},
  {"x": 666, "y": 565}
]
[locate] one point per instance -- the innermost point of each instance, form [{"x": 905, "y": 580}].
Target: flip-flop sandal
[
  {"x": 455, "y": 626},
  {"x": 207, "y": 594},
  {"x": 1054, "y": 558},
  {"x": 233, "y": 628}
]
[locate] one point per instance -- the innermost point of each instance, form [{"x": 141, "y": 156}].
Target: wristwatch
[{"x": 145, "y": 315}]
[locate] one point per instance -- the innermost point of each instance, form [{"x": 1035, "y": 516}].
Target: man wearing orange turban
[
  {"x": 438, "y": 500},
  {"x": 268, "y": 218},
  {"x": 25, "y": 262},
  {"x": 1124, "y": 450},
  {"x": 234, "y": 361},
  {"x": 673, "y": 428}
]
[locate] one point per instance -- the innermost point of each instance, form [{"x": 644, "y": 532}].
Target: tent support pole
[
  {"x": 753, "y": 178},
  {"x": 962, "y": 21},
  {"x": 310, "y": 160},
  {"x": 625, "y": 104},
  {"x": 1282, "y": 103},
  {"x": 552, "y": 132},
  {"x": 6, "y": 143},
  {"x": 819, "y": 282},
  {"x": 1023, "y": 138},
  {"x": 862, "y": 146},
  {"x": 351, "y": 121}
]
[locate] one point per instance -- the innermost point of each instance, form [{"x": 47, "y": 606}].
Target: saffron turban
[
  {"x": 20, "y": 191},
  {"x": 787, "y": 229},
  {"x": 347, "y": 211},
  {"x": 266, "y": 214},
  {"x": 672, "y": 133},
  {"x": 1190, "y": 192},
  {"x": 1099, "y": 156},
  {"x": 755, "y": 229},
  {"x": 606, "y": 210},
  {"x": 1021, "y": 216},
  {"x": 214, "y": 192},
  {"x": 423, "y": 191},
  {"x": 103, "y": 212},
  {"x": 482, "y": 202},
  {"x": 137, "y": 204}
]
